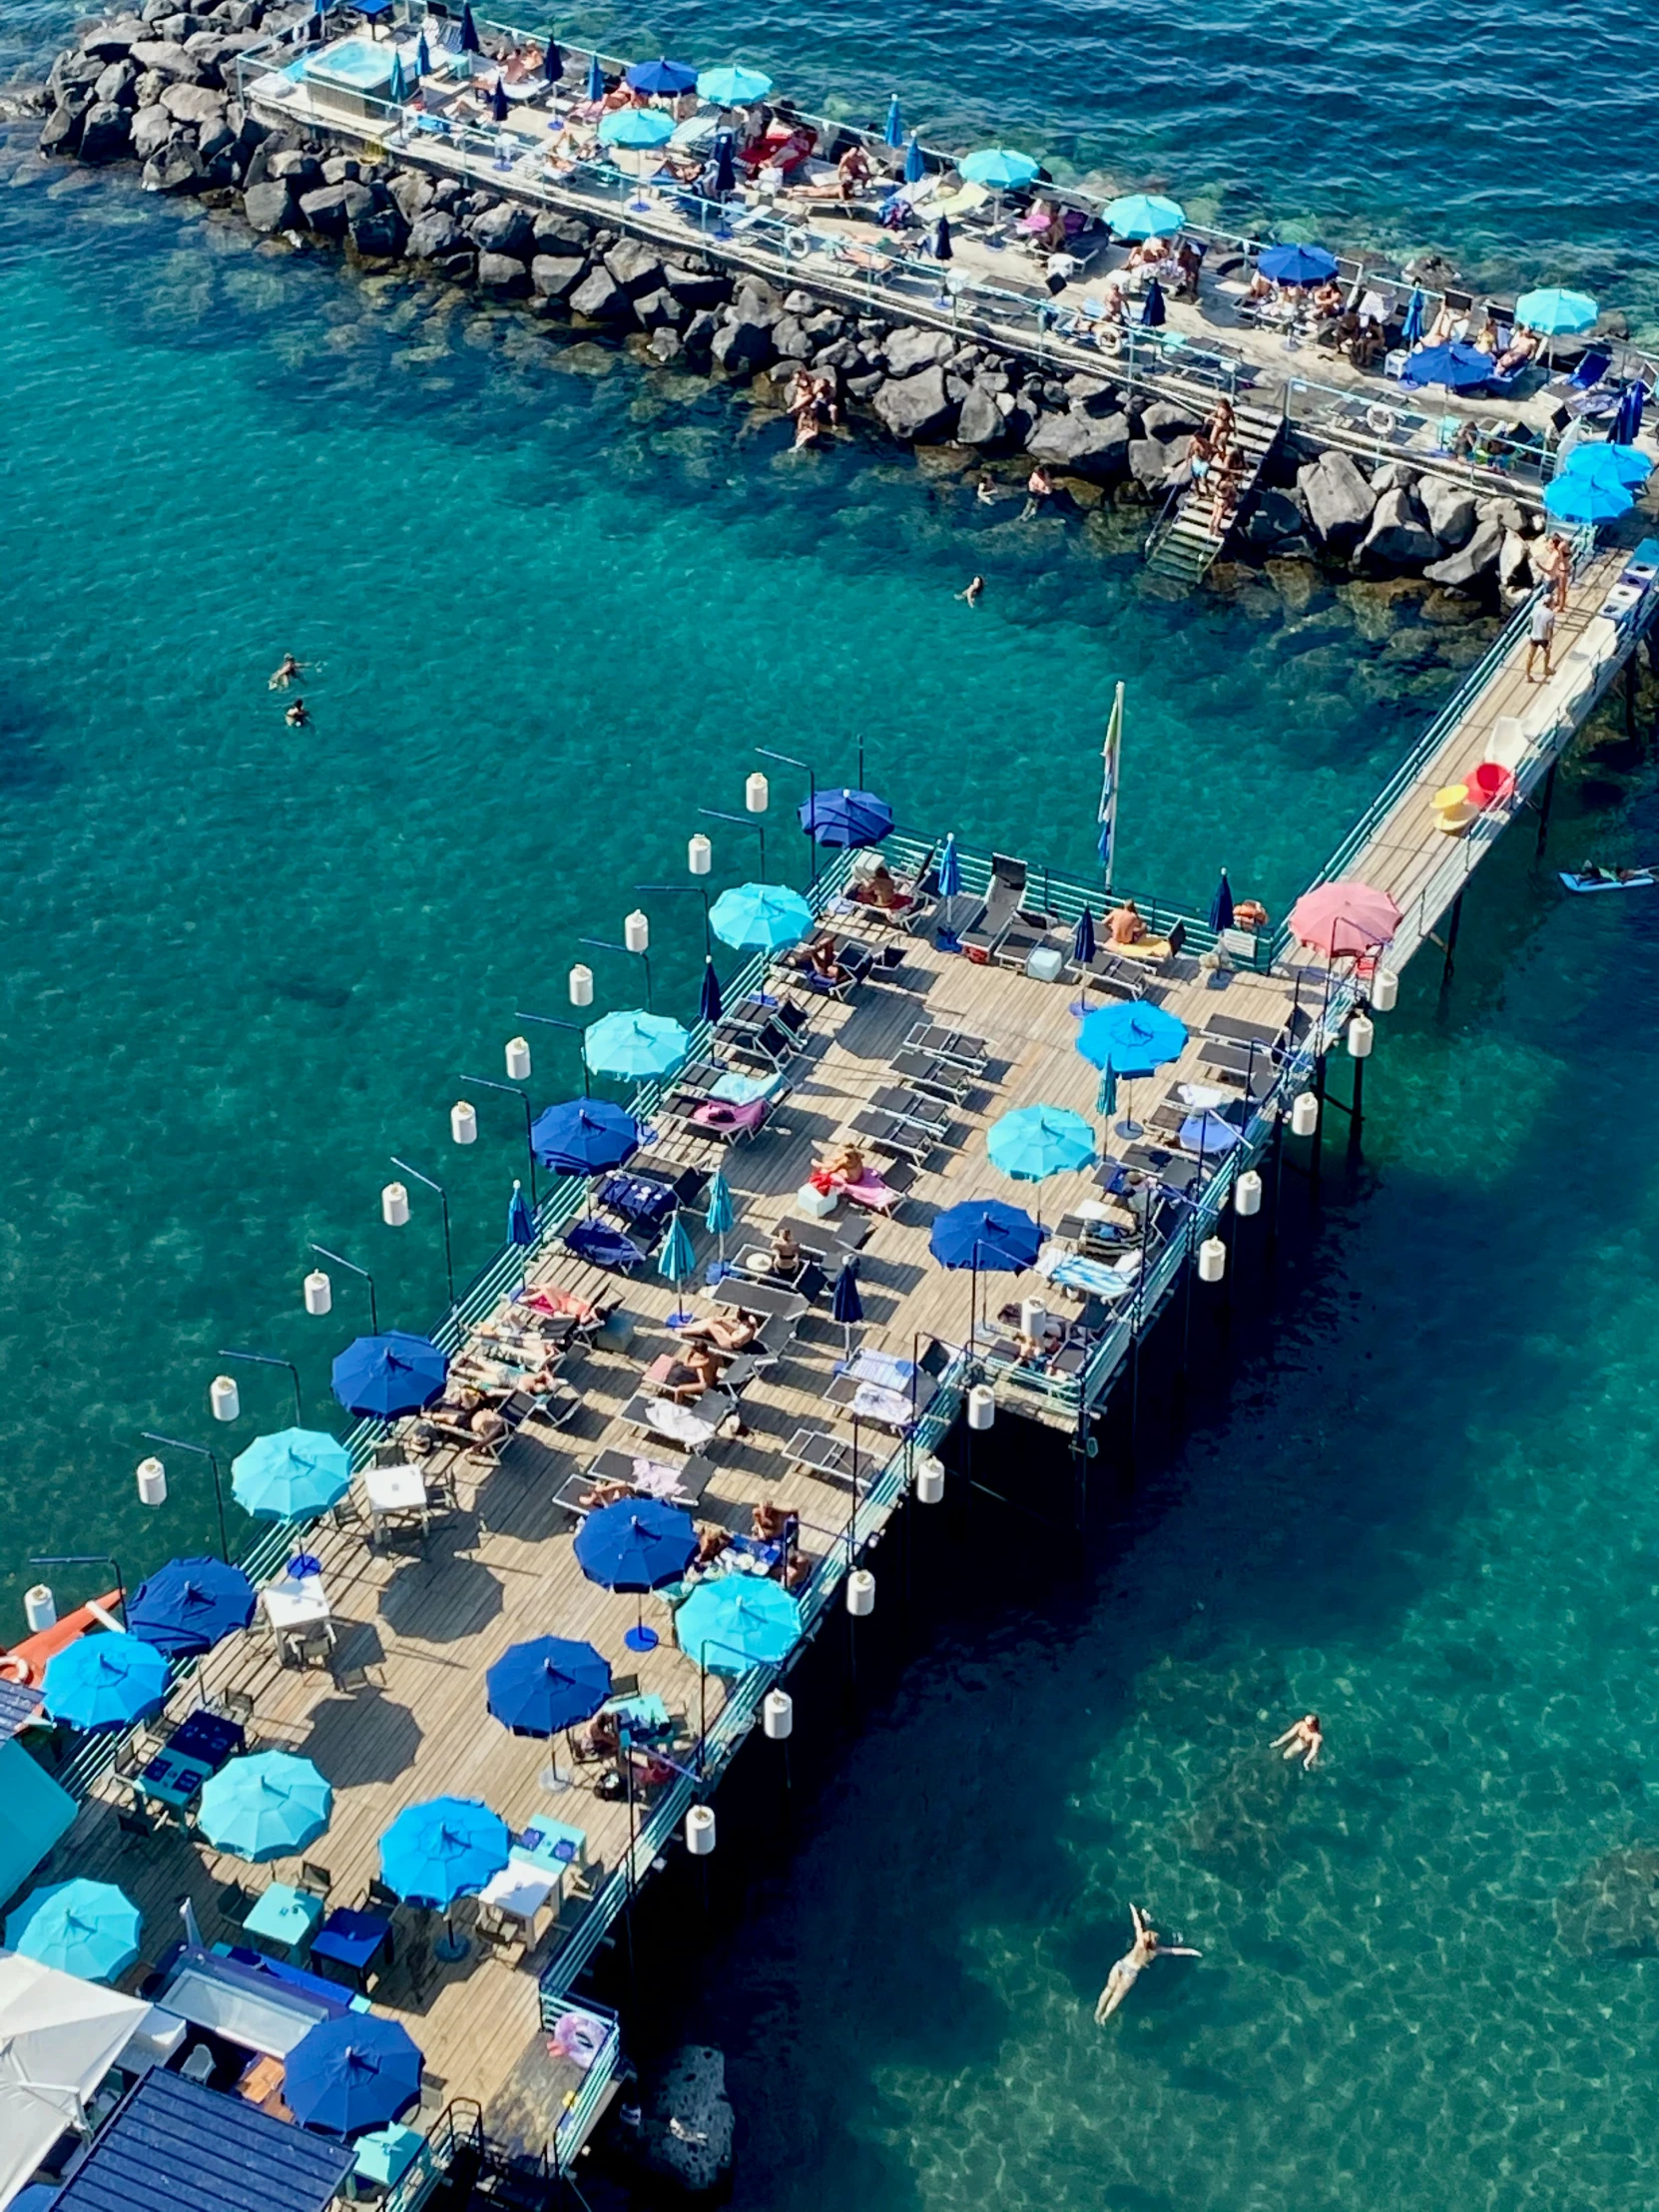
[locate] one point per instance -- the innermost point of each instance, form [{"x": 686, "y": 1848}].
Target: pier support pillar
[
  {"x": 1545, "y": 800},
  {"x": 1357, "y": 1112},
  {"x": 1452, "y": 927},
  {"x": 1316, "y": 1156},
  {"x": 1630, "y": 697}
]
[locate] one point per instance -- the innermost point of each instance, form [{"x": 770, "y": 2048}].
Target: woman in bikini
[{"x": 1139, "y": 1955}]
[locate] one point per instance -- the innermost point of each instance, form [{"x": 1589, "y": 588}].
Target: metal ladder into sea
[{"x": 1181, "y": 544}]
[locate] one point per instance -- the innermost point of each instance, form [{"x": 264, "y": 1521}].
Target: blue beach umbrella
[
  {"x": 845, "y": 818},
  {"x": 1628, "y": 422},
  {"x": 537, "y": 1688},
  {"x": 442, "y": 1849},
  {"x": 356, "y": 2071},
  {"x": 87, "y": 1929},
  {"x": 1416, "y": 317},
  {"x": 637, "y": 1544},
  {"x": 552, "y": 61},
  {"x": 986, "y": 1236},
  {"x": 1145, "y": 214},
  {"x": 1034, "y": 1142},
  {"x": 1153, "y": 314},
  {"x": 292, "y": 1475},
  {"x": 708, "y": 1007},
  {"x": 761, "y": 917},
  {"x": 662, "y": 78},
  {"x": 893, "y": 129},
  {"x": 634, "y": 1045},
  {"x": 585, "y": 1136},
  {"x": 737, "y": 1621},
  {"x": 521, "y": 1223},
  {"x": 389, "y": 1375},
  {"x": 848, "y": 1307},
  {"x": 1576, "y": 498},
  {"x": 498, "y": 101},
  {"x": 1459, "y": 367},
  {"x": 469, "y": 30},
  {"x": 1221, "y": 907},
  {"x": 916, "y": 169},
  {"x": 999, "y": 168},
  {"x": 596, "y": 79},
  {"x": 103, "y": 1681},
  {"x": 1555, "y": 313},
  {"x": 397, "y": 91},
  {"x": 1608, "y": 464},
  {"x": 267, "y": 1806},
  {"x": 190, "y": 1605},
  {"x": 423, "y": 57},
  {"x": 718, "y": 1214},
  {"x": 1297, "y": 265},
  {"x": 732, "y": 87},
  {"x": 726, "y": 162},
  {"x": 636, "y": 127},
  {"x": 950, "y": 868}
]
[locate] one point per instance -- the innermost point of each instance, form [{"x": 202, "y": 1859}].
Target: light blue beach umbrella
[
  {"x": 87, "y": 1929},
  {"x": 761, "y": 917},
  {"x": 1415, "y": 318},
  {"x": 596, "y": 79},
  {"x": 1132, "y": 1038},
  {"x": 916, "y": 169},
  {"x": 292, "y": 1475},
  {"x": 103, "y": 1681},
  {"x": 998, "y": 168},
  {"x": 735, "y": 1622},
  {"x": 442, "y": 1849},
  {"x": 1555, "y": 313},
  {"x": 267, "y": 1806},
  {"x": 1608, "y": 464},
  {"x": 732, "y": 87},
  {"x": 1145, "y": 214},
  {"x": 893, "y": 131},
  {"x": 637, "y": 1045},
  {"x": 1575, "y": 498},
  {"x": 1034, "y": 1142},
  {"x": 676, "y": 1259},
  {"x": 950, "y": 868},
  {"x": 521, "y": 1223},
  {"x": 636, "y": 127},
  {"x": 397, "y": 91}
]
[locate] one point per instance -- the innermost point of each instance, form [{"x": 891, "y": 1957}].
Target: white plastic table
[{"x": 394, "y": 1490}]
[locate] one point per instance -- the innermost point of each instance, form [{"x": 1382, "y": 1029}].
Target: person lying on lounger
[
  {"x": 1124, "y": 925},
  {"x": 600, "y": 1494},
  {"x": 845, "y": 1161},
  {"x": 726, "y": 1332},
  {"x": 691, "y": 1377},
  {"x": 881, "y": 888}
]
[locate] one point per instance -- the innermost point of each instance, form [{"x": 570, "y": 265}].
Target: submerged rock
[{"x": 1611, "y": 1910}]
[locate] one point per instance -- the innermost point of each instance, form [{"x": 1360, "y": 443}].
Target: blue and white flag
[{"x": 1109, "y": 785}]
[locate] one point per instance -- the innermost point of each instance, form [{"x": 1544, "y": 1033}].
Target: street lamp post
[
  {"x": 489, "y": 1084},
  {"x": 686, "y": 890},
  {"x": 741, "y": 822},
  {"x": 178, "y": 1443},
  {"x": 266, "y": 1360},
  {"x": 639, "y": 951},
  {"x": 553, "y": 1021},
  {"x": 788, "y": 759},
  {"x": 352, "y": 1268},
  {"x": 444, "y": 1201}
]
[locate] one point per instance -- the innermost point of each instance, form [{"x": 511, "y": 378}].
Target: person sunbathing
[
  {"x": 852, "y": 173},
  {"x": 1443, "y": 328},
  {"x": 787, "y": 1254},
  {"x": 1124, "y": 925},
  {"x": 845, "y": 1161},
  {"x": 486, "y": 1425},
  {"x": 599, "y": 1494},
  {"x": 1522, "y": 348},
  {"x": 881, "y": 888},
  {"x": 604, "y": 1733},
  {"x": 1259, "y": 291},
  {"x": 710, "y": 1542},
  {"x": 798, "y": 1570},
  {"x": 691, "y": 1377},
  {"x": 1327, "y": 299},
  {"x": 770, "y": 1521},
  {"x": 1191, "y": 264},
  {"x": 820, "y": 960},
  {"x": 726, "y": 1332}
]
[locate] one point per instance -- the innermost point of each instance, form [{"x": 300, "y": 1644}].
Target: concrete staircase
[{"x": 1181, "y": 544}]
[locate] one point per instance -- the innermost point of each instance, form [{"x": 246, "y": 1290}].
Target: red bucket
[{"x": 1488, "y": 785}]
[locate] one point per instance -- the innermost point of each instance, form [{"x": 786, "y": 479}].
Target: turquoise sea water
[{"x": 555, "y": 605}]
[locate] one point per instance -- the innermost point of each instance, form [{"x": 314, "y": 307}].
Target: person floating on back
[{"x": 1140, "y": 1955}]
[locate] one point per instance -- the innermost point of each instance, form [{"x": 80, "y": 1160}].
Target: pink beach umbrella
[{"x": 1344, "y": 920}]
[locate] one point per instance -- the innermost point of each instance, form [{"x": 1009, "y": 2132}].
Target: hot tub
[{"x": 354, "y": 76}]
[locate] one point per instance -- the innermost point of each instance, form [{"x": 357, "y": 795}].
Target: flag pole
[{"x": 1109, "y": 785}]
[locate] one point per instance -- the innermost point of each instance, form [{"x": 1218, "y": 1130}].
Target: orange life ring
[{"x": 15, "y": 1668}]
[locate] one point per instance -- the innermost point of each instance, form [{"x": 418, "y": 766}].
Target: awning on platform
[{"x": 174, "y": 2146}]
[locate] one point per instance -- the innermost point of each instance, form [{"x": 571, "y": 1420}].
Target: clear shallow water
[{"x": 556, "y": 602}]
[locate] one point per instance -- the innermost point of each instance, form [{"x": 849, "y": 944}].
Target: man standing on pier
[{"x": 1540, "y": 634}]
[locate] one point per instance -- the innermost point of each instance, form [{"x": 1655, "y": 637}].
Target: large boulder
[
  {"x": 1091, "y": 446},
  {"x": 981, "y": 422},
  {"x": 635, "y": 266},
  {"x": 411, "y": 191},
  {"x": 790, "y": 339},
  {"x": 73, "y": 72},
  {"x": 1163, "y": 419},
  {"x": 112, "y": 42},
  {"x": 699, "y": 335},
  {"x": 740, "y": 346},
  {"x": 115, "y": 85},
  {"x": 381, "y": 233},
  {"x": 504, "y": 230},
  {"x": 270, "y": 206},
  {"x": 697, "y": 287},
  {"x": 1399, "y": 537},
  {"x": 151, "y": 129},
  {"x": 169, "y": 61},
  {"x": 197, "y": 104},
  {"x": 1514, "y": 563},
  {"x": 919, "y": 406},
  {"x": 303, "y": 171},
  {"x": 433, "y": 235},
  {"x": 755, "y": 300},
  {"x": 561, "y": 233},
  {"x": 61, "y": 131},
  {"x": 1150, "y": 463},
  {"x": 552, "y": 276},
  {"x": 105, "y": 133},
  {"x": 909, "y": 348},
  {"x": 1338, "y": 500},
  {"x": 1448, "y": 509},
  {"x": 1470, "y": 562},
  {"x": 331, "y": 209},
  {"x": 176, "y": 167},
  {"x": 599, "y": 296},
  {"x": 1274, "y": 517},
  {"x": 659, "y": 311},
  {"x": 503, "y": 276}
]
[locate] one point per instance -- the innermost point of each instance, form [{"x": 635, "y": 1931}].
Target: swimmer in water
[
  {"x": 975, "y": 586},
  {"x": 1305, "y": 1736},
  {"x": 284, "y": 674},
  {"x": 298, "y": 716},
  {"x": 1140, "y": 1955}
]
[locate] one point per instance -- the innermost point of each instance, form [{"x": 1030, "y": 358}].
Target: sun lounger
[
  {"x": 880, "y": 1407},
  {"x": 745, "y": 1296},
  {"x": 716, "y": 1119},
  {"x": 692, "y": 1427},
  {"x": 879, "y": 1194},
  {"x": 953, "y": 1046},
  {"x": 1259, "y": 1033},
  {"x": 925, "y": 1114},
  {"x": 830, "y": 1458},
  {"x": 903, "y": 1139},
  {"x": 935, "y": 1078}
]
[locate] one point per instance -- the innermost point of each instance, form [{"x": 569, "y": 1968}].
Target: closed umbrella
[
  {"x": 950, "y": 869},
  {"x": 636, "y": 127},
  {"x": 1034, "y": 1142},
  {"x": 717, "y": 1217},
  {"x": 1608, "y": 464},
  {"x": 1555, "y": 313},
  {"x": 916, "y": 169},
  {"x": 585, "y": 1136},
  {"x": 1152, "y": 307},
  {"x": 737, "y": 1621},
  {"x": 498, "y": 101},
  {"x": 1297, "y": 265},
  {"x": 552, "y": 61},
  {"x": 943, "y": 251},
  {"x": 1575, "y": 498},
  {"x": 293, "y": 1474},
  {"x": 1343, "y": 919},
  {"x": 267, "y": 1806},
  {"x": 87, "y": 1929},
  {"x": 1106, "y": 1093},
  {"x": 1221, "y": 907},
  {"x": 1145, "y": 214},
  {"x": 662, "y": 79},
  {"x": 423, "y": 57},
  {"x": 638, "y": 1046},
  {"x": 353, "y": 2072},
  {"x": 103, "y": 1681},
  {"x": 847, "y": 1305},
  {"x": 190, "y": 1605},
  {"x": 389, "y": 1374},
  {"x": 637, "y": 1544},
  {"x": 845, "y": 818},
  {"x": 1628, "y": 422},
  {"x": 1131, "y": 1039},
  {"x": 442, "y": 1849},
  {"x": 521, "y": 1223},
  {"x": 469, "y": 30},
  {"x": 398, "y": 90},
  {"x": 1415, "y": 318},
  {"x": 761, "y": 917},
  {"x": 596, "y": 79},
  {"x": 1083, "y": 948},
  {"x": 1457, "y": 366},
  {"x": 726, "y": 163},
  {"x": 675, "y": 1262},
  {"x": 708, "y": 1007},
  {"x": 893, "y": 129},
  {"x": 999, "y": 168},
  {"x": 732, "y": 87}
]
